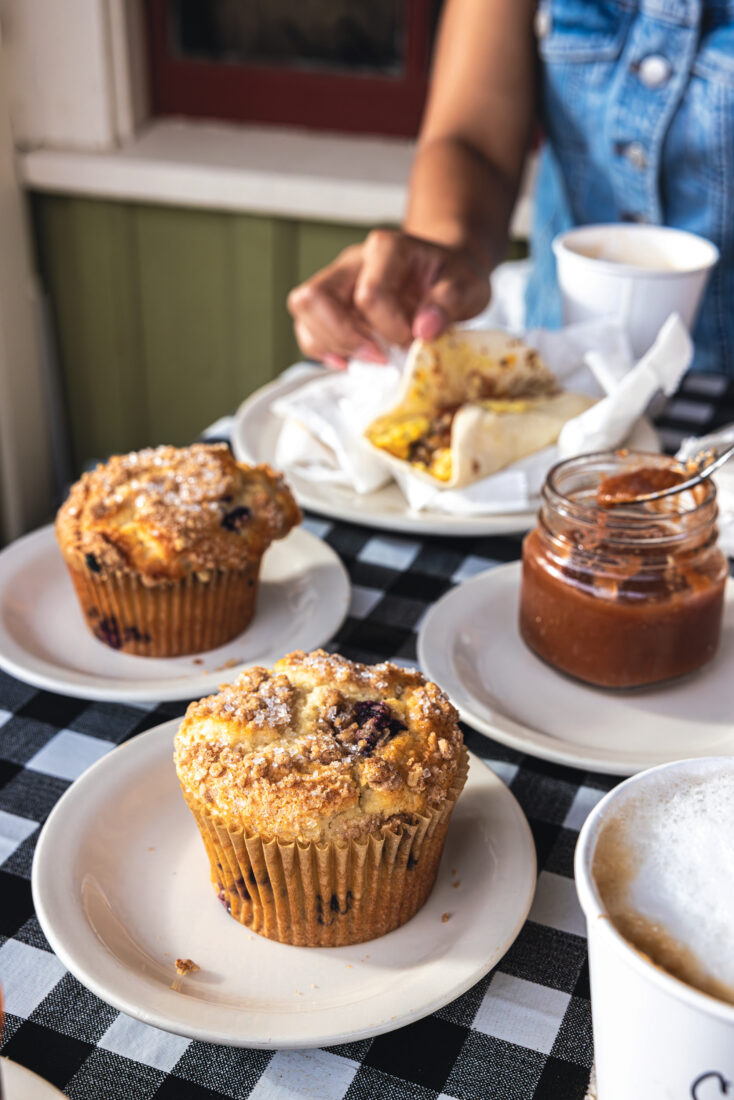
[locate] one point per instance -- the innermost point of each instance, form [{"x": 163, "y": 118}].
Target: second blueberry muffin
[{"x": 164, "y": 546}]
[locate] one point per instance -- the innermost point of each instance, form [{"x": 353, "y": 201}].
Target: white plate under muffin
[
  {"x": 121, "y": 888},
  {"x": 302, "y": 600}
]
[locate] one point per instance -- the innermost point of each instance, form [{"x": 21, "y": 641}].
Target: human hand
[{"x": 389, "y": 289}]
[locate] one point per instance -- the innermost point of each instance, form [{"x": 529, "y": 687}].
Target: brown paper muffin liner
[
  {"x": 328, "y": 894},
  {"x": 167, "y": 620}
]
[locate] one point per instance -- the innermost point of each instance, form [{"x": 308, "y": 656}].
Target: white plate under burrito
[{"x": 254, "y": 436}]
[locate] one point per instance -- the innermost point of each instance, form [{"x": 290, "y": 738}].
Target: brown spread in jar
[
  {"x": 627, "y": 487},
  {"x": 622, "y": 598}
]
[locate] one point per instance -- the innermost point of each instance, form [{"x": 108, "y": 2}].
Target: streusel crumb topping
[
  {"x": 166, "y": 512},
  {"x": 319, "y": 748}
]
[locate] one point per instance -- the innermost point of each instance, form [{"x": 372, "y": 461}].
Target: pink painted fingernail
[
  {"x": 371, "y": 353},
  {"x": 335, "y": 361},
  {"x": 428, "y": 323}
]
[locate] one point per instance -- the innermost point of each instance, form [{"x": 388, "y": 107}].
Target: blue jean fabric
[{"x": 630, "y": 139}]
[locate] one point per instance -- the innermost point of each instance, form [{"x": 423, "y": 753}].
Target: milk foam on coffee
[
  {"x": 664, "y": 868},
  {"x": 633, "y": 253}
]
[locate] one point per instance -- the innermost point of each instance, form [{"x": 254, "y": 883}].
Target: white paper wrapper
[{"x": 324, "y": 421}]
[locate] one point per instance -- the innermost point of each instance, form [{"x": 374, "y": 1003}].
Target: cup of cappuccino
[
  {"x": 637, "y": 273},
  {"x": 654, "y": 871}
]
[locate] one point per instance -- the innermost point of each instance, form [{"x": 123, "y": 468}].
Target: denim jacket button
[
  {"x": 542, "y": 22},
  {"x": 654, "y": 70},
  {"x": 635, "y": 154}
]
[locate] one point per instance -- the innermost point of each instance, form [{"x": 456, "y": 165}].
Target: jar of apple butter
[{"x": 623, "y": 595}]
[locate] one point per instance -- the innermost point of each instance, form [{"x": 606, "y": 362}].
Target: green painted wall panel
[
  {"x": 186, "y": 302},
  {"x": 319, "y": 243},
  {"x": 167, "y": 318},
  {"x": 88, "y": 260},
  {"x": 265, "y": 252}
]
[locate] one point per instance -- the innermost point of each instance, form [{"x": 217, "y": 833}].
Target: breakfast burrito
[{"x": 470, "y": 404}]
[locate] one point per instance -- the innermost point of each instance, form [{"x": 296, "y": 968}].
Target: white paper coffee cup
[
  {"x": 654, "y": 1036},
  {"x": 639, "y": 274}
]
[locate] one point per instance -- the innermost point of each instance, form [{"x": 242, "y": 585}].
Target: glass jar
[{"x": 625, "y": 596}]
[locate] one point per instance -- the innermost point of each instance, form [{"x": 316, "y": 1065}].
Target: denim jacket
[{"x": 638, "y": 113}]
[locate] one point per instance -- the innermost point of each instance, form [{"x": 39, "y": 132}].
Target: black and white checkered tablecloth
[{"x": 523, "y": 1031}]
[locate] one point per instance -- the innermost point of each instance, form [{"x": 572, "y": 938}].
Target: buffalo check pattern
[{"x": 524, "y": 1031}]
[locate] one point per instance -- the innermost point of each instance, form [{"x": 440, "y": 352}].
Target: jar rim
[
  {"x": 638, "y": 458},
  {"x": 628, "y": 521}
]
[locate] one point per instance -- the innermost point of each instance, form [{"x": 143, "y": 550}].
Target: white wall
[
  {"x": 76, "y": 72},
  {"x": 71, "y": 77}
]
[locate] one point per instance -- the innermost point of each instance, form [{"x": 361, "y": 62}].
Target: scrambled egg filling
[
  {"x": 397, "y": 436},
  {"x": 425, "y": 441},
  {"x": 441, "y": 466}
]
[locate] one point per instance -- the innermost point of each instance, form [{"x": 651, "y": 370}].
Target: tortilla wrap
[{"x": 471, "y": 403}]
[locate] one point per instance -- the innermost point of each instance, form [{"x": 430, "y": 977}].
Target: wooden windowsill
[{"x": 244, "y": 169}]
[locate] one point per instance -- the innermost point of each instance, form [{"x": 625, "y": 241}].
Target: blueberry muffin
[
  {"x": 322, "y": 790},
  {"x": 164, "y": 546}
]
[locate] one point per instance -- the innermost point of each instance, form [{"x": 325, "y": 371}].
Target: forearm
[
  {"x": 476, "y": 131},
  {"x": 458, "y": 198},
  {"x": 477, "y": 128}
]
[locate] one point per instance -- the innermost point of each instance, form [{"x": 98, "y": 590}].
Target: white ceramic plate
[
  {"x": 121, "y": 888},
  {"x": 254, "y": 434},
  {"x": 20, "y": 1083},
  {"x": 469, "y": 644},
  {"x": 302, "y": 600}
]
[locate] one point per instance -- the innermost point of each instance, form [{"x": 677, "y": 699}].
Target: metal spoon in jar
[{"x": 645, "y": 483}]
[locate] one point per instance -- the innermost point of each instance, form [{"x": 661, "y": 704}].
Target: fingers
[
  {"x": 429, "y": 322},
  {"x": 390, "y": 288},
  {"x": 325, "y": 322},
  {"x": 335, "y": 362},
  {"x": 411, "y": 287},
  {"x": 384, "y": 292},
  {"x": 457, "y": 294},
  {"x": 318, "y": 337},
  {"x": 314, "y": 347},
  {"x": 317, "y": 344}
]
